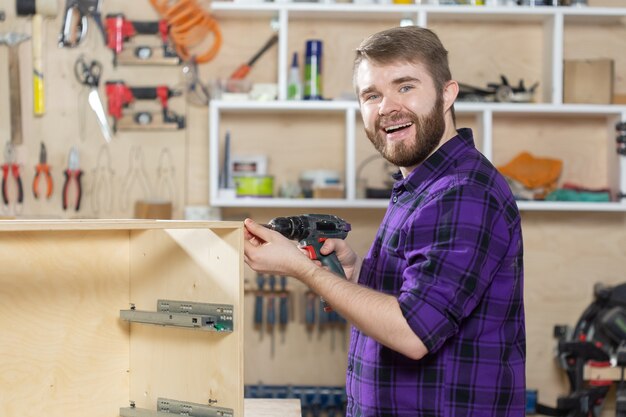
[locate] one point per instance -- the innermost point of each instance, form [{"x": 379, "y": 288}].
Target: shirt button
[{"x": 395, "y": 199}]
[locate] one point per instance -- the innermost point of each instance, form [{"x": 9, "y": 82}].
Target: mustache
[{"x": 387, "y": 120}]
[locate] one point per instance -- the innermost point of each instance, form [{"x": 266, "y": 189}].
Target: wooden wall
[{"x": 565, "y": 252}]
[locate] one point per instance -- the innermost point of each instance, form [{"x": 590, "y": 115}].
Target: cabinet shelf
[
  {"x": 343, "y": 11},
  {"x": 460, "y": 107},
  {"x": 382, "y": 203}
]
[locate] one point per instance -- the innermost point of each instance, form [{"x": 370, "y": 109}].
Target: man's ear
[{"x": 450, "y": 92}]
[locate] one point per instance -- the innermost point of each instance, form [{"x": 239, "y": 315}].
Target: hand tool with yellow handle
[
  {"x": 38, "y": 9},
  {"x": 312, "y": 230}
]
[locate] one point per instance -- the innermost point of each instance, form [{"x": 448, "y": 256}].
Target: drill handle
[
  {"x": 313, "y": 246},
  {"x": 331, "y": 261}
]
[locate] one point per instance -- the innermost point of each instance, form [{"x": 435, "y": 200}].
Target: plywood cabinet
[{"x": 65, "y": 351}]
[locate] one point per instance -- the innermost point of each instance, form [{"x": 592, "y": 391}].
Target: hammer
[
  {"x": 38, "y": 9},
  {"x": 12, "y": 40}
]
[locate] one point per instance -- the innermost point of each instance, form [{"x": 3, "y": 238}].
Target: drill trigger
[{"x": 311, "y": 250}]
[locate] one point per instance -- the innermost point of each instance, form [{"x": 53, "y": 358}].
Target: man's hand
[
  {"x": 347, "y": 257},
  {"x": 269, "y": 252}
]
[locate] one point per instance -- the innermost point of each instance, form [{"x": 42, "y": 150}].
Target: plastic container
[
  {"x": 294, "y": 85},
  {"x": 313, "y": 70}
]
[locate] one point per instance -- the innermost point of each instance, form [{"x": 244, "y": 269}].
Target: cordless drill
[{"x": 311, "y": 231}]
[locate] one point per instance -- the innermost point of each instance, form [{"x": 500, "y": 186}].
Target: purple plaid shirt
[{"x": 450, "y": 249}]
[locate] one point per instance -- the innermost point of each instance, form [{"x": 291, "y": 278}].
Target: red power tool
[
  {"x": 121, "y": 96},
  {"x": 120, "y": 30}
]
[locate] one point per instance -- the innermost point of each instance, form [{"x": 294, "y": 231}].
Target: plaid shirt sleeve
[{"x": 453, "y": 245}]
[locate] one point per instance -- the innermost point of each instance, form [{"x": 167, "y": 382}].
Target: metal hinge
[
  {"x": 170, "y": 408},
  {"x": 204, "y": 316}
]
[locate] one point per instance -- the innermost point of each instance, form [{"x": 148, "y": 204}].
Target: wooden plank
[
  {"x": 111, "y": 224},
  {"x": 270, "y": 407},
  {"x": 63, "y": 351},
  {"x": 187, "y": 265}
]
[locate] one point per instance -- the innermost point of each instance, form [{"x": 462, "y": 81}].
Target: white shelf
[
  {"x": 460, "y": 107},
  {"x": 301, "y": 202},
  {"x": 553, "y": 19},
  {"x": 570, "y": 206},
  {"x": 347, "y": 11},
  {"x": 382, "y": 203}
]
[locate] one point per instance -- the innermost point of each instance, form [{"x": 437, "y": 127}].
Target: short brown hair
[{"x": 410, "y": 44}]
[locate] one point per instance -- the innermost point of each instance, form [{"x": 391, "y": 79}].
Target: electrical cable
[{"x": 189, "y": 25}]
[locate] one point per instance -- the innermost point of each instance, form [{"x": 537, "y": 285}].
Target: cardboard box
[{"x": 588, "y": 81}]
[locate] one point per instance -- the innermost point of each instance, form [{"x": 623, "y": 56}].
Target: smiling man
[{"x": 437, "y": 303}]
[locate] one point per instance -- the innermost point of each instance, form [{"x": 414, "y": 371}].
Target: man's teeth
[{"x": 397, "y": 127}]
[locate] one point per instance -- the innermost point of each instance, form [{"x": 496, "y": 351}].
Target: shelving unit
[{"x": 553, "y": 21}]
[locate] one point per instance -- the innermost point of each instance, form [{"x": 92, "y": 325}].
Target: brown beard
[{"x": 429, "y": 131}]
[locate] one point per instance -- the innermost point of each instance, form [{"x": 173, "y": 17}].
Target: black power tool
[{"x": 311, "y": 231}]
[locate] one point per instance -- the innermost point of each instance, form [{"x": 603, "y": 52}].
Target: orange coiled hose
[{"x": 189, "y": 25}]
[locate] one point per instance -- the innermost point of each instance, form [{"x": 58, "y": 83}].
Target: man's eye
[
  {"x": 370, "y": 97},
  {"x": 406, "y": 88}
]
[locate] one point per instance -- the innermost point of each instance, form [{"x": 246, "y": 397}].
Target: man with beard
[{"x": 437, "y": 303}]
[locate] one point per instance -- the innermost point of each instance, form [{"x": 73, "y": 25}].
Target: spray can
[{"x": 313, "y": 70}]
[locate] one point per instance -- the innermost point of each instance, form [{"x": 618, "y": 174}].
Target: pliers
[
  {"x": 42, "y": 169},
  {"x": 72, "y": 172},
  {"x": 11, "y": 168}
]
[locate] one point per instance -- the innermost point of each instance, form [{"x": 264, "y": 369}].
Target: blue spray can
[{"x": 313, "y": 70}]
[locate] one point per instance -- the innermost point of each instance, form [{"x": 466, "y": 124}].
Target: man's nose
[{"x": 388, "y": 105}]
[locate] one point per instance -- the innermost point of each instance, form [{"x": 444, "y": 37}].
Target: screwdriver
[
  {"x": 309, "y": 312},
  {"x": 283, "y": 309},
  {"x": 258, "y": 303},
  {"x": 243, "y": 70},
  {"x": 271, "y": 313}
]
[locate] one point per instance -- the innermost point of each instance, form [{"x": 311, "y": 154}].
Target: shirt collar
[{"x": 436, "y": 163}]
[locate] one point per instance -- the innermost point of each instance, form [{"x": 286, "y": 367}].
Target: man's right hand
[{"x": 347, "y": 257}]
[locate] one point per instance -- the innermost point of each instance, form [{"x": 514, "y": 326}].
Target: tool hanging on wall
[
  {"x": 166, "y": 178},
  {"x": 190, "y": 25},
  {"x": 270, "y": 317},
  {"x": 73, "y": 175},
  {"x": 102, "y": 186},
  {"x": 12, "y": 41},
  {"x": 75, "y": 23},
  {"x": 197, "y": 92},
  {"x": 310, "y": 301},
  {"x": 11, "y": 168},
  {"x": 258, "y": 304},
  {"x": 88, "y": 74},
  {"x": 120, "y": 31},
  {"x": 42, "y": 170},
  {"x": 136, "y": 175},
  {"x": 121, "y": 96},
  {"x": 242, "y": 71},
  {"x": 38, "y": 9},
  {"x": 283, "y": 308}
]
